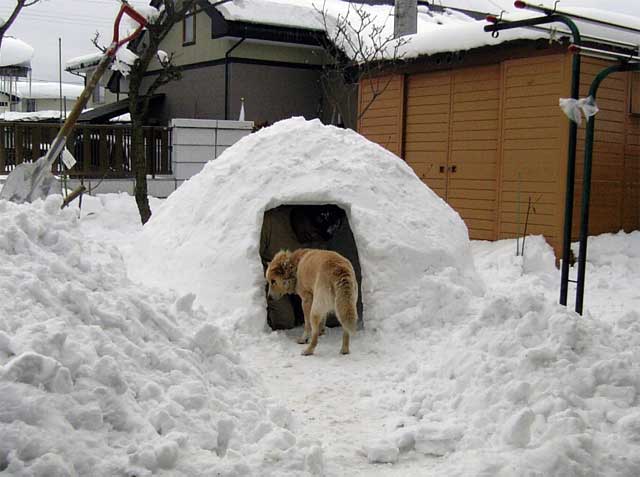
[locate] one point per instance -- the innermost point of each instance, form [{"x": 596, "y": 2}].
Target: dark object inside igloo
[{"x": 291, "y": 227}]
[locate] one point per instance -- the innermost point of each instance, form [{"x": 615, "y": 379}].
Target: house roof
[
  {"x": 83, "y": 63},
  {"x": 446, "y": 26},
  {"x": 102, "y": 114},
  {"x": 43, "y": 90}
]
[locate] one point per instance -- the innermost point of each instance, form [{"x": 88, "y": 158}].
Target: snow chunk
[
  {"x": 383, "y": 452},
  {"x": 517, "y": 431},
  {"x": 438, "y": 438}
]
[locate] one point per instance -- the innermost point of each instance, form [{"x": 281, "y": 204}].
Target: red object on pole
[
  {"x": 117, "y": 42},
  {"x": 520, "y": 4},
  {"x": 492, "y": 19}
]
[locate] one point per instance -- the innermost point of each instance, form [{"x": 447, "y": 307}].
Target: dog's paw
[
  {"x": 302, "y": 340},
  {"x": 307, "y": 352},
  {"x": 344, "y": 351}
]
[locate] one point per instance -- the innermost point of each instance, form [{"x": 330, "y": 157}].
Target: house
[
  {"x": 224, "y": 56},
  {"x": 270, "y": 55},
  {"x": 477, "y": 118},
  {"x": 38, "y": 96}
]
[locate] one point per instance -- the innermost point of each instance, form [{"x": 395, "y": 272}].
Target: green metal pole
[
  {"x": 573, "y": 133},
  {"x": 586, "y": 181},
  {"x": 571, "y": 171}
]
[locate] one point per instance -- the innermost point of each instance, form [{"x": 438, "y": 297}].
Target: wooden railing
[{"x": 100, "y": 150}]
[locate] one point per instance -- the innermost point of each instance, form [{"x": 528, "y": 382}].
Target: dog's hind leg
[
  {"x": 347, "y": 316},
  {"x": 316, "y": 320},
  {"x": 323, "y": 324},
  {"x": 306, "y": 309}
]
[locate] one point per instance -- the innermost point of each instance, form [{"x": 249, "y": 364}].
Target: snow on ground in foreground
[
  {"x": 101, "y": 373},
  {"x": 518, "y": 386},
  {"x": 99, "y": 376},
  {"x": 206, "y": 238}
]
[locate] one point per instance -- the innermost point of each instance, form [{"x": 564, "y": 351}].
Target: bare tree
[
  {"x": 170, "y": 13},
  {"x": 362, "y": 51},
  {"x": 20, "y": 4}
]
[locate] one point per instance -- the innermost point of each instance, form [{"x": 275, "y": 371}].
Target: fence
[{"x": 100, "y": 150}]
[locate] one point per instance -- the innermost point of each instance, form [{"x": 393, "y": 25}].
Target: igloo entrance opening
[{"x": 293, "y": 226}]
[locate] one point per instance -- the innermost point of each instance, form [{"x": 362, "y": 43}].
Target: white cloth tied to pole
[{"x": 574, "y": 107}]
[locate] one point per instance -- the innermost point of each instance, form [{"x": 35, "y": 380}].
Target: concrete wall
[{"x": 195, "y": 142}]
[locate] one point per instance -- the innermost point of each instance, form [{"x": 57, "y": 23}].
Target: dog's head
[{"x": 281, "y": 275}]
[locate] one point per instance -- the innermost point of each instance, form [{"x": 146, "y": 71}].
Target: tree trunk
[{"x": 140, "y": 169}]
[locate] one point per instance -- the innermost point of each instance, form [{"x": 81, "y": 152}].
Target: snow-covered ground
[{"x": 100, "y": 375}]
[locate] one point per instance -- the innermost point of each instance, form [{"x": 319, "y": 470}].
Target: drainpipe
[
  {"x": 226, "y": 77},
  {"x": 586, "y": 181}
]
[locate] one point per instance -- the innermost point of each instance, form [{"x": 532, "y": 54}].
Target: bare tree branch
[
  {"x": 359, "y": 51},
  {"x": 170, "y": 14},
  {"x": 95, "y": 41}
]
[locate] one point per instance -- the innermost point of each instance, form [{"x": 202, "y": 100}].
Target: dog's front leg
[{"x": 306, "y": 310}]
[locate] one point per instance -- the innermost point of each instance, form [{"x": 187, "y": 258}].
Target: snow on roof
[
  {"x": 43, "y": 90},
  {"x": 407, "y": 237},
  {"x": 14, "y": 52},
  {"x": 80, "y": 63}
]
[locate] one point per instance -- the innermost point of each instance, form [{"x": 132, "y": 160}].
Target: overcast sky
[{"x": 75, "y": 21}]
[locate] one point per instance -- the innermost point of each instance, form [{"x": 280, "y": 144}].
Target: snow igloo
[{"x": 412, "y": 250}]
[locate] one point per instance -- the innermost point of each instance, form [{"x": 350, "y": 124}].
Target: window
[
  {"x": 98, "y": 95},
  {"x": 31, "y": 105},
  {"x": 189, "y": 28},
  {"x": 4, "y": 104}
]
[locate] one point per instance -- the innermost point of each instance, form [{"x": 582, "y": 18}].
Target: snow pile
[
  {"x": 524, "y": 386},
  {"x": 15, "y": 52},
  {"x": 32, "y": 116},
  {"x": 102, "y": 377},
  {"x": 413, "y": 248}
]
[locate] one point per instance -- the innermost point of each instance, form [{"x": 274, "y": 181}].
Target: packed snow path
[{"x": 343, "y": 401}]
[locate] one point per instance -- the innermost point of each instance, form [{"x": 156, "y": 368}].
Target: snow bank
[
  {"x": 102, "y": 377},
  {"x": 524, "y": 386},
  {"x": 411, "y": 244}
]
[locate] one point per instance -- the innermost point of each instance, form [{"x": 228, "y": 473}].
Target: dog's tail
[{"x": 346, "y": 292}]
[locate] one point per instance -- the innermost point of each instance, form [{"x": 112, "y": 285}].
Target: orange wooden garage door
[{"x": 451, "y": 140}]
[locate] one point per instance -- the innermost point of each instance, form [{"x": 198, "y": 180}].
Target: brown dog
[{"x": 325, "y": 281}]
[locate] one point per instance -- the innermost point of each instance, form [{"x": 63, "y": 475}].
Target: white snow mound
[
  {"x": 100, "y": 376},
  {"x": 205, "y": 239}
]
